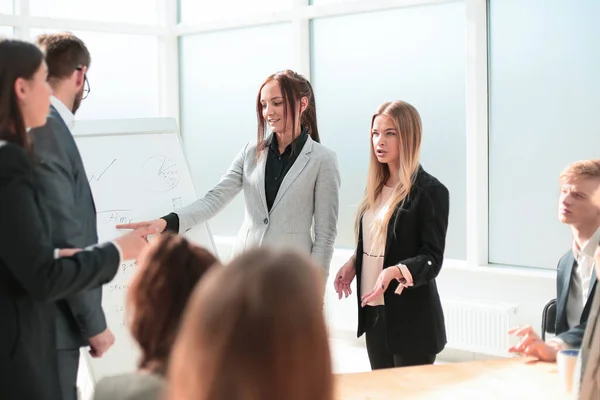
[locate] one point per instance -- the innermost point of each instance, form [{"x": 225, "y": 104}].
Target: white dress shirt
[{"x": 64, "y": 112}]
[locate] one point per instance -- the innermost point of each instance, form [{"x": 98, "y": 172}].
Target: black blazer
[
  {"x": 31, "y": 279},
  {"x": 416, "y": 238},
  {"x": 572, "y": 336}
]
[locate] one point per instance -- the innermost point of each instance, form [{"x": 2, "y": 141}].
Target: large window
[
  {"x": 6, "y": 31},
  {"x": 537, "y": 66},
  {"x": 221, "y": 74},
  {"x": 197, "y": 11},
  {"x": 123, "y": 76},
  {"x": 6, "y": 6},
  {"x": 544, "y": 85},
  {"x": 412, "y": 54},
  {"x": 129, "y": 11}
]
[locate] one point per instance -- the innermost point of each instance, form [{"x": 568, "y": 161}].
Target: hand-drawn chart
[
  {"x": 96, "y": 178},
  {"x": 160, "y": 173},
  {"x": 137, "y": 171},
  {"x": 176, "y": 203}
]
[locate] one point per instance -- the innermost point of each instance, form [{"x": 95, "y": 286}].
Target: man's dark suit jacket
[
  {"x": 572, "y": 336},
  {"x": 31, "y": 280},
  {"x": 70, "y": 206}
]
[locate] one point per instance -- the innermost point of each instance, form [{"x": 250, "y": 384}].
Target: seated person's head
[
  {"x": 579, "y": 204},
  {"x": 167, "y": 273},
  {"x": 254, "y": 330}
]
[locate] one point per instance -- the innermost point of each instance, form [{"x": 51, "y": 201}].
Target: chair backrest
[{"x": 549, "y": 318}]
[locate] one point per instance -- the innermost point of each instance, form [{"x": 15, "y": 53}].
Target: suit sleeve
[
  {"x": 56, "y": 180},
  {"x": 25, "y": 246},
  {"x": 433, "y": 210},
  {"x": 327, "y": 204},
  {"x": 216, "y": 199},
  {"x": 574, "y": 336}
]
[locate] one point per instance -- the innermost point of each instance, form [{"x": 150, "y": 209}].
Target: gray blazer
[
  {"x": 307, "y": 201},
  {"x": 70, "y": 206}
]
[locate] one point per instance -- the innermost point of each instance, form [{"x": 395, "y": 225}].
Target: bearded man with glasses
[{"x": 80, "y": 319}]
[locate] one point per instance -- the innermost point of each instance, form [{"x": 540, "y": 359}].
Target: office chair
[{"x": 549, "y": 318}]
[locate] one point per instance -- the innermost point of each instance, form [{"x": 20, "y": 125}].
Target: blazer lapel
[
  {"x": 566, "y": 275},
  {"x": 261, "y": 165},
  {"x": 293, "y": 173}
]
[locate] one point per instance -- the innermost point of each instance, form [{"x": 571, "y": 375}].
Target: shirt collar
[
  {"x": 63, "y": 111},
  {"x": 298, "y": 142},
  {"x": 589, "y": 248}
]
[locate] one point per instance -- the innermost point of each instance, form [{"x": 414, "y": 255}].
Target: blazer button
[
  {"x": 266, "y": 221},
  {"x": 429, "y": 262}
]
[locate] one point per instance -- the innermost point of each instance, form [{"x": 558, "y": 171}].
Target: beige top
[{"x": 372, "y": 260}]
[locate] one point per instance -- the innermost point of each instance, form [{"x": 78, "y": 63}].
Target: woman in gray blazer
[{"x": 289, "y": 179}]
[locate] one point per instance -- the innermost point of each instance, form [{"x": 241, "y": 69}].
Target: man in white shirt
[
  {"x": 63, "y": 182},
  {"x": 579, "y": 207}
]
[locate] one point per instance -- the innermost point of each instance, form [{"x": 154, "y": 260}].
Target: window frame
[{"x": 300, "y": 14}]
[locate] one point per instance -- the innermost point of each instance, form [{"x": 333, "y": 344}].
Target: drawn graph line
[
  {"x": 160, "y": 173},
  {"x": 93, "y": 177},
  {"x": 163, "y": 169}
]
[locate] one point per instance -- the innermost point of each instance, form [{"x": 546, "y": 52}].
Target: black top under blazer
[
  {"x": 416, "y": 238},
  {"x": 31, "y": 280}
]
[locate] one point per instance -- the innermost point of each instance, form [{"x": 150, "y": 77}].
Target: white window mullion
[
  {"x": 301, "y": 45},
  {"x": 23, "y": 28},
  {"x": 360, "y": 7},
  {"x": 477, "y": 133},
  {"x": 168, "y": 61}
]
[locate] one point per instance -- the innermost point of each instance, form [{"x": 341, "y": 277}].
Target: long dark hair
[
  {"x": 159, "y": 293},
  {"x": 293, "y": 88},
  {"x": 18, "y": 59},
  {"x": 254, "y": 330}
]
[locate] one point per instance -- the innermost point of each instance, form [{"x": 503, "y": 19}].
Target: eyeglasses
[{"x": 86, "y": 83}]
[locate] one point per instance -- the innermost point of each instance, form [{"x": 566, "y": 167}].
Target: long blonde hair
[{"x": 407, "y": 121}]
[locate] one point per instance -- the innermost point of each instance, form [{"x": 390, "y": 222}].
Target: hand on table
[{"x": 532, "y": 345}]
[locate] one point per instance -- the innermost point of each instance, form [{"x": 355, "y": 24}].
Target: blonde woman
[{"x": 401, "y": 229}]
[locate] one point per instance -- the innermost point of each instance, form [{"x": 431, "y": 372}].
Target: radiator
[{"x": 479, "y": 327}]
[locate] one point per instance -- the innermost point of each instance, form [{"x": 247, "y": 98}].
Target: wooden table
[{"x": 505, "y": 379}]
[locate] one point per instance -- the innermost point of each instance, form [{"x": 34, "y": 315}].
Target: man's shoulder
[
  {"x": 566, "y": 260},
  {"x": 53, "y": 129}
]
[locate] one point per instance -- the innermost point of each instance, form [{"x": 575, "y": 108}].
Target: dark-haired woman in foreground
[
  {"x": 30, "y": 278},
  {"x": 168, "y": 272},
  {"x": 290, "y": 181}
]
